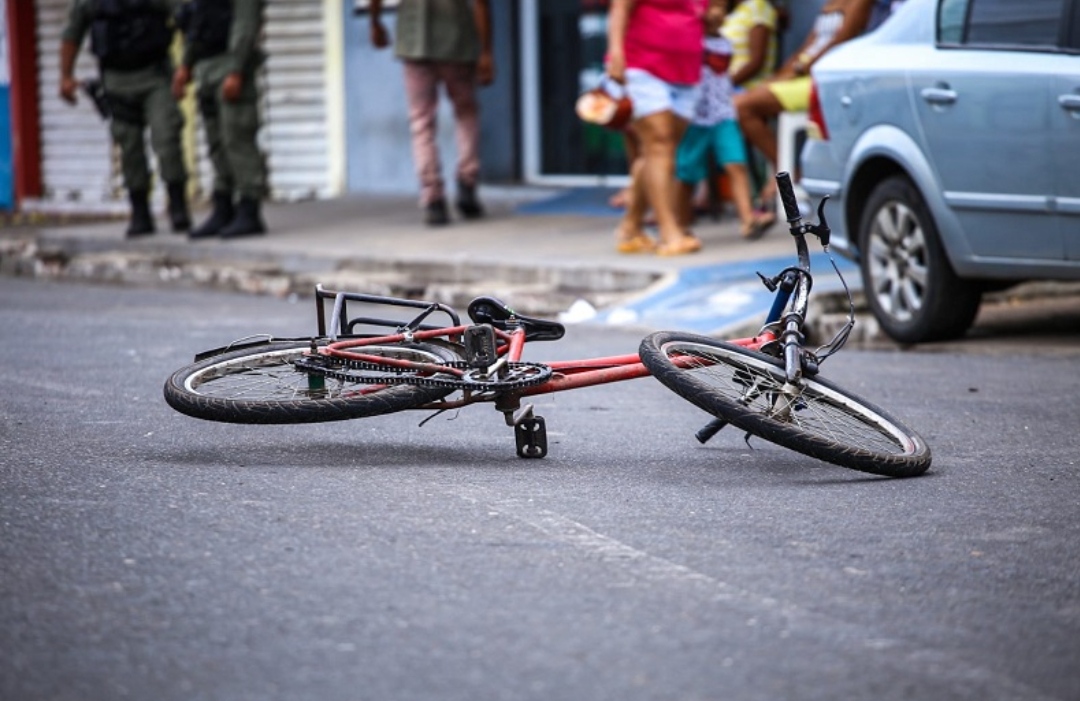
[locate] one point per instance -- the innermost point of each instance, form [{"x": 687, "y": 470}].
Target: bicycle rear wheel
[
  {"x": 749, "y": 390},
  {"x": 262, "y": 386}
]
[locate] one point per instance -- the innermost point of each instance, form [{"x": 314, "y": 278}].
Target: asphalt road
[{"x": 147, "y": 555}]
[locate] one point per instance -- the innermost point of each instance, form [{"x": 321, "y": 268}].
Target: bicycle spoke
[
  {"x": 762, "y": 389},
  {"x": 282, "y": 382},
  {"x": 273, "y": 377}
]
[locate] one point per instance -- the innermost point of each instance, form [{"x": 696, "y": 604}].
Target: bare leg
[
  {"x": 660, "y": 134},
  {"x": 756, "y": 107},
  {"x": 630, "y": 237},
  {"x": 686, "y": 203},
  {"x": 740, "y": 193},
  {"x": 630, "y": 143}
]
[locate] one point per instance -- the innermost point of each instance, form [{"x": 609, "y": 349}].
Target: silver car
[{"x": 950, "y": 142}]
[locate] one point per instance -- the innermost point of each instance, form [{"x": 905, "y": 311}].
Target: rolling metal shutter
[
  {"x": 78, "y": 168},
  {"x": 81, "y": 172},
  {"x": 294, "y": 135}
]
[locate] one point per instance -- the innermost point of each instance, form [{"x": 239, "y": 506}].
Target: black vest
[
  {"x": 128, "y": 35},
  {"x": 206, "y": 25}
]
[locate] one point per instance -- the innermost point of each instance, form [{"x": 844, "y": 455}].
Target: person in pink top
[{"x": 654, "y": 50}]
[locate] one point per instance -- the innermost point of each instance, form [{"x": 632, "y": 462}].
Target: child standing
[{"x": 715, "y": 131}]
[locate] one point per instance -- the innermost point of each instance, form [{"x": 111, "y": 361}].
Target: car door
[
  {"x": 984, "y": 112},
  {"x": 1065, "y": 138}
]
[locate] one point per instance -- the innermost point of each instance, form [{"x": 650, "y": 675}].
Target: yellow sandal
[
  {"x": 682, "y": 246},
  {"x": 639, "y": 243}
]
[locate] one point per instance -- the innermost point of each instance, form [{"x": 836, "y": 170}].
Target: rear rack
[{"x": 342, "y": 324}]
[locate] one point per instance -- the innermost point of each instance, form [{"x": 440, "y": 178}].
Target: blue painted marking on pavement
[
  {"x": 715, "y": 298},
  {"x": 584, "y": 201}
]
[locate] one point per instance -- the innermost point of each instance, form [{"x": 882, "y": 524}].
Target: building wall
[
  {"x": 7, "y": 182},
  {"x": 78, "y": 167},
  {"x": 333, "y": 107},
  {"x": 376, "y": 128},
  {"x": 295, "y": 134},
  {"x": 80, "y": 170}
]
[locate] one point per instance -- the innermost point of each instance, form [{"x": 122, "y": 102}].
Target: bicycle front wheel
[
  {"x": 750, "y": 390},
  {"x": 262, "y": 386}
]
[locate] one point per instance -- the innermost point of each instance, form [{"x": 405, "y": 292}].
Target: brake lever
[{"x": 821, "y": 229}]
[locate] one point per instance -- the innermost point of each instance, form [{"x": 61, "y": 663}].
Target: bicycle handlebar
[
  {"x": 794, "y": 216},
  {"x": 787, "y": 196}
]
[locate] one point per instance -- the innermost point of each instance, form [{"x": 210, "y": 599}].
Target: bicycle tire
[
  {"x": 823, "y": 420},
  {"x": 261, "y": 386}
]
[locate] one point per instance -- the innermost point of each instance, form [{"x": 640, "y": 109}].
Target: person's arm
[
  {"x": 789, "y": 68},
  {"x": 71, "y": 39},
  {"x": 618, "y": 19},
  {"x": 69, "y": 87},
  {"x": 379, "y": 37},
  {"x": 180, "y": 80},
  {"x": 485, "y": 66},
  {"x": 856, "y": 17},
  {"x": 759, "y": 52},
  {"x": 243, "y": 45}
]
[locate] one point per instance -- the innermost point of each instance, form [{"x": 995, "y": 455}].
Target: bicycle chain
[{"x": 518, "y": 375}]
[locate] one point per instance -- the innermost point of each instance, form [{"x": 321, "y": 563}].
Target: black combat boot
[
  {"x": 142, "y": 222},
  {"x": 436, "y": 214},
  {"x": 220, "y": 217},
  {"x": 247, "y": 222},
  {"x": 178, "y": 209},
  {"x": 467, "y": 201}
]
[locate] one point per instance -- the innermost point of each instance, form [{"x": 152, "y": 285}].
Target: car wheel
[{"x": 910, "y": 286}]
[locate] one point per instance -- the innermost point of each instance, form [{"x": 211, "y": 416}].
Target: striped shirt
[{"x": 737, "y": 25}]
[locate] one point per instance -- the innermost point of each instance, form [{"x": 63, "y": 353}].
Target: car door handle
[
  {"x": 938, "y": 96},
  {"x": 1070, "y": 102}
]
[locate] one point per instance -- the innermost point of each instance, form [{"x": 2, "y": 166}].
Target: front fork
[{"x": 791, "y": 337}]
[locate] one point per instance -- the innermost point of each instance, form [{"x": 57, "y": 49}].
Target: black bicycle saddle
[{"x": 488, "y": 310}]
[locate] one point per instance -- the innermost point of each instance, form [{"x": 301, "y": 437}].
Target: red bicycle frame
[{"x": 566, "y": 374}]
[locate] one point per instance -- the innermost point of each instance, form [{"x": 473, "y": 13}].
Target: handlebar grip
[{"x": 787, "y": 196}]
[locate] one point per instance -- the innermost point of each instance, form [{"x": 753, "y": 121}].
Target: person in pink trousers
[{"x": 458, "y": 56}]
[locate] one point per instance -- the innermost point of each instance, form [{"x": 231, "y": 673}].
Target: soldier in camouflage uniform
[
  {"x": 221, "y": 46},
  {"x": 131, "y": 40}
]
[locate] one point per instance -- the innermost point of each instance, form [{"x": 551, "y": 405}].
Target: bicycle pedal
[
  {"x": 531, "y": 436},
  {"x": 480, "y": 347}
]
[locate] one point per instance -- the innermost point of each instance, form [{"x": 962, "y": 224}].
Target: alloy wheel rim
[{"x": 897, "y": 261}]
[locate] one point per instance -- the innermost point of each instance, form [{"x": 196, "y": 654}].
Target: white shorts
[{"x": 651, "y": 95}]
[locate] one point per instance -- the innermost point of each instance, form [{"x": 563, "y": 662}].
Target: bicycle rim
[
  {"x": 262, "y": 386},
  {"x": 816, "y": 418}
]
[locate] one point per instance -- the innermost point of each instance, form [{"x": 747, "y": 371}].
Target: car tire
[{"x": 909, "y": 283}]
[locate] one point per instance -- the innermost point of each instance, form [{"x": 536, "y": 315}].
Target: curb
[
  {"x": 536, "y": 290},
  {"x": 646, "y": 299}
]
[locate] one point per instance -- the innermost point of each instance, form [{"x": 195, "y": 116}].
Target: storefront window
[{"x": 572, "y": 41}]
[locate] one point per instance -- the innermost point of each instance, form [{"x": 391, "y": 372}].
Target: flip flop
[
  {"x": 759, "y": 227},
  {"x": 686, "y": 244},
  {"x": 639, "y": 243}
]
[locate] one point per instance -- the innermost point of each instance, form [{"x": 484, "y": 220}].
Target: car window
[
  {"x": 1001, "y": 23},
  {"x": 1074, "y": 29}
]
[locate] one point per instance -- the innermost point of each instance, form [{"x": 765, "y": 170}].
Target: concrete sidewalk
[{"x": 539, "y": 257}]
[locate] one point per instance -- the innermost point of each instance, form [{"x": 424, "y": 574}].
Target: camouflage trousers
[
  {"x": 231, "y": 137},
  {"x": 134, "y": 109}
]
